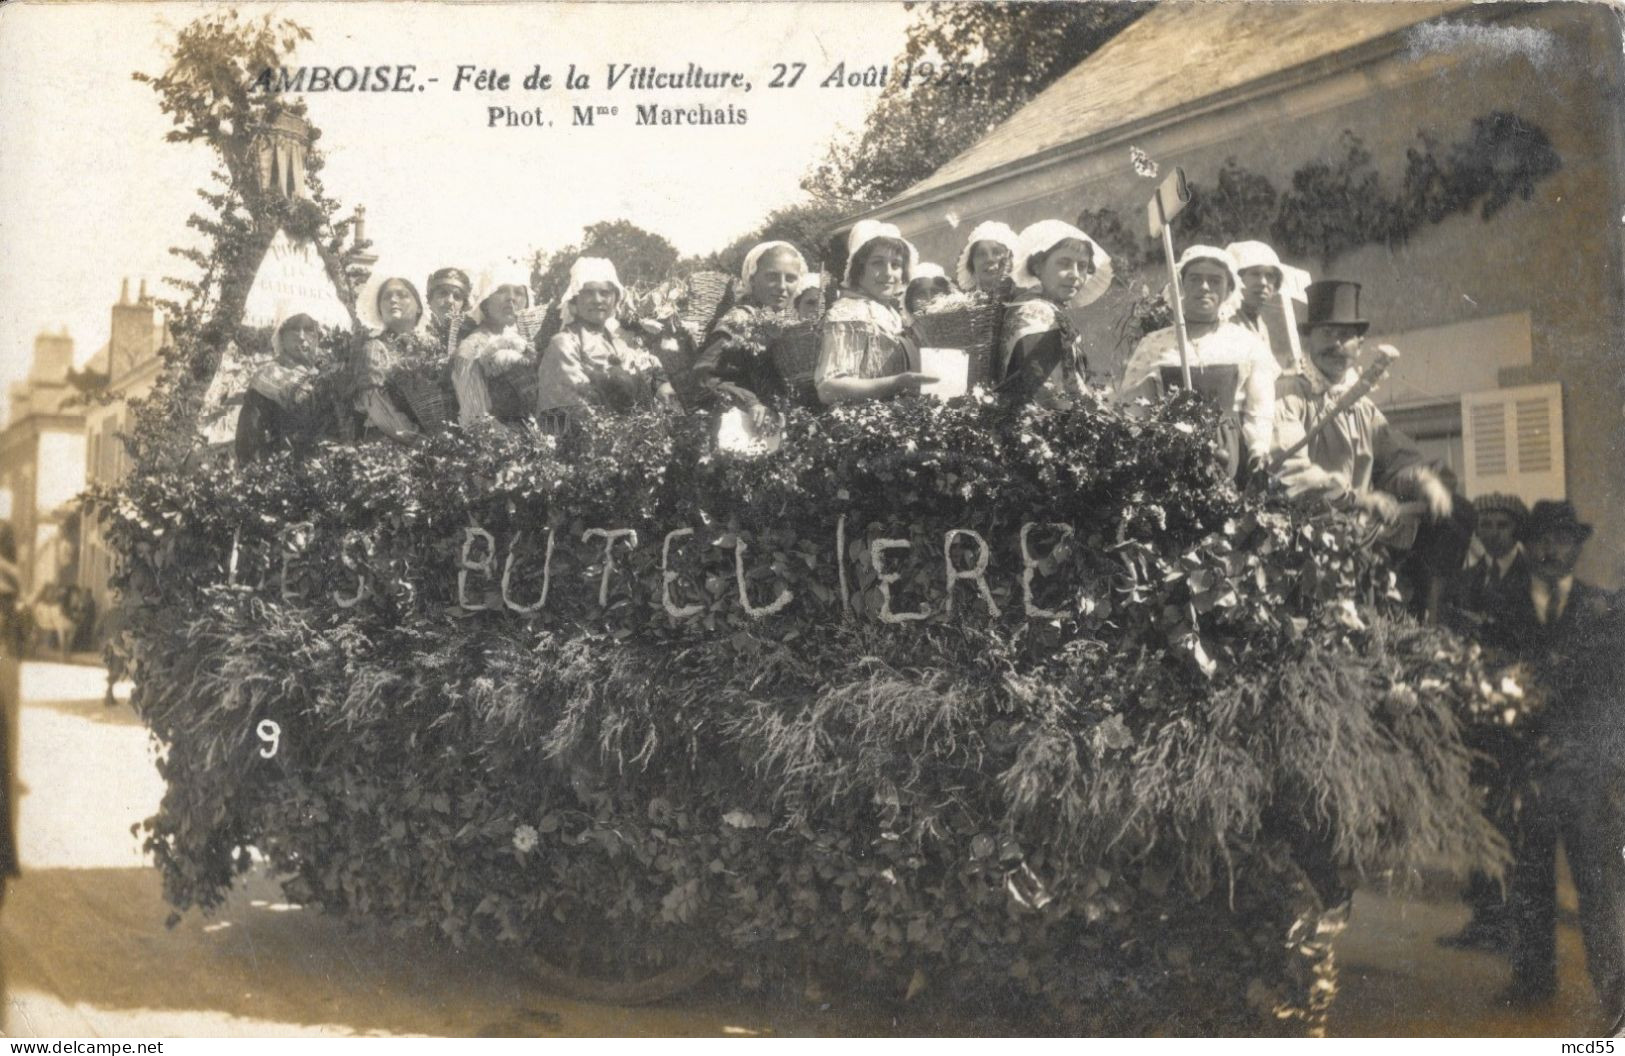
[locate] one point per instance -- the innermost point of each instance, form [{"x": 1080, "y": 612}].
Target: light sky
[{"x": 94, "y": 194}]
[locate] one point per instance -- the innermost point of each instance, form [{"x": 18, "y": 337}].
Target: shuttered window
[{"x": 1514, "y": 442}]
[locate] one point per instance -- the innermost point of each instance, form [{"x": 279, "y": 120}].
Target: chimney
[
  {"x": 142, "y": 297},
  {"x": 366, "y": 258},
  {"x": 124, "y": 291}
]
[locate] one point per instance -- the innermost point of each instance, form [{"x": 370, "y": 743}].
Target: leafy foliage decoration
[
  {"x": 1334, "y": 206},
  {"x": 206, "y": 92},
  {"x": 1085, "y": 810}
]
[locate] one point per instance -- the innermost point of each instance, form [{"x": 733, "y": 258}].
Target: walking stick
[
  {"x": 1386, "y": 354},
  {"x": 1171, "y": 196}
]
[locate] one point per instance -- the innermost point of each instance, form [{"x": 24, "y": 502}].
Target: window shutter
[{"x": 1513, "y": 440}]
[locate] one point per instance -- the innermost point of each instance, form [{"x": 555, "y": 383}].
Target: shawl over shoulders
[
  {"x": 863, "y": 338},
  {"x": 583, "y": 366},
  {"x": 1032, "y": 315}
]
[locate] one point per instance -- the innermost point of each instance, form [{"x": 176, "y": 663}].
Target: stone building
[
  {"x": 42, "y": 460},
  {"x": 136, "y": 333},
  {"x": 1509, "y": 314}
]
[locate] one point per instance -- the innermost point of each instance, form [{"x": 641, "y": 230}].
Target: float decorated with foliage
[{"x": 1032, "y": 709}]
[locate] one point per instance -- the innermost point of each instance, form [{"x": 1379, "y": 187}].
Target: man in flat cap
[
  {"x": 1570, "y": 633},
  {"x": 1491, "y": 585}
]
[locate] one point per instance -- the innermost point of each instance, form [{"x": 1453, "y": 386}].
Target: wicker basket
[
  {"x": 677, "y": 352},
  {"x": 794, "y": 350},
  {"x": 425, "y": 396},
  {"x": 513, "y": 391},
  {"x": 539, "y": 324},
  {"x": 706, "y": 292},
  {"x": 974, "y": 328}
]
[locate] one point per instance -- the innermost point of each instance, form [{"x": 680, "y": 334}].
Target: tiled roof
[{"x": 1176, "y": 55}]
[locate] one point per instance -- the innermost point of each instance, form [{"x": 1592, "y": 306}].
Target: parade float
[{"x": 1030, "y": 711}]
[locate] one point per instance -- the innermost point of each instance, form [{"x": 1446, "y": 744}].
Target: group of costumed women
[{"x": 464, "y": 342}]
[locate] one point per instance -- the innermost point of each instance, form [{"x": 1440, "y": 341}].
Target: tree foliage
[
  {"x": 642, "y": 258},
  {"x": 805, "y": 226},
  {"x": 1018, "y": 50},
  {"x": 206, "y": 93}
]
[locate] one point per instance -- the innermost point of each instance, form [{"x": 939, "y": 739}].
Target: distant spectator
[
  {"x": 50, "y": 621},
  {"x": 1499, "y": 574},
  {"x": 1483, "y": 591},
  {"x": 81, "y": 612},
  {"x": 1570, "y": 633}
]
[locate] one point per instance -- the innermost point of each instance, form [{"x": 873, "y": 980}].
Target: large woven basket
[
  {"x": 425, "y": 397},
  {"x": 513, "y": 392},
  {"x": 706, "y": 292},
  {"x": 794, "y": 350},
  {"x": 973, "y": 328},
  {"x": 540, "y": 323}
]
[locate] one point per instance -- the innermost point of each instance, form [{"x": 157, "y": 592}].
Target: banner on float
[{"x": 293, "y": 278}]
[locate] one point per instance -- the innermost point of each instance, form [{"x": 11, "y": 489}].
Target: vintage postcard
[{"x": 807, "y": 518}]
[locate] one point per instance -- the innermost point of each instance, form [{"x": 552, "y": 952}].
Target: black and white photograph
[{"x": 644, "y": 519}]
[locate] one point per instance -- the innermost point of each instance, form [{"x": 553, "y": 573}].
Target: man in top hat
[
  {"x": 1570, "y": 634},
  {"x": 1356, "y": 458},
  {"x": 1231, "y": 366}
]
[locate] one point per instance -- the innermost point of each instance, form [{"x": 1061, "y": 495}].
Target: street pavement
[{"x": 84, "y": 950}]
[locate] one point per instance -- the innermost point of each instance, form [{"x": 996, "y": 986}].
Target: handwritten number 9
[{"x": 271, "y": 734}]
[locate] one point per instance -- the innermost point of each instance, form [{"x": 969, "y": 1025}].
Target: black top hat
[
  {"x": 1555, "y": 515},
  {"x": 1334, "y": 301}
]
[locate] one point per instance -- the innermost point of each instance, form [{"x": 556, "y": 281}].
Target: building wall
[
  {"x": 136, "y": 333},
  {"x": 1555, "y": 258},
  {"x": 106, "y": 462},
  {"x": 42, "y": 463},
  {"x": 18, "y": 447}
]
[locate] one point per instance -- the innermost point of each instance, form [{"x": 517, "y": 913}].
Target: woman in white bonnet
[
  {"x": 927, "y": 283},
  {"x": 809, "y": 301},
  {"x": 496, "y": 344},
  {"x": 1230, "y": 365},
  {"x": 986, "y": 260},
  {"x": 288, "y": 406},
  {"x": 593, "y": 361},
  {"x": 734, "y": 364},
  {"x": 391, "y": 307},
  {"x": 866, "y": 349},
  {"x": 1040, "y": 354}
]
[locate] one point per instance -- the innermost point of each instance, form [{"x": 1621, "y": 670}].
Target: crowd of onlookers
[
  {"x": 1557, "y": 775},
  {"x": 59, "y": 620}
]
